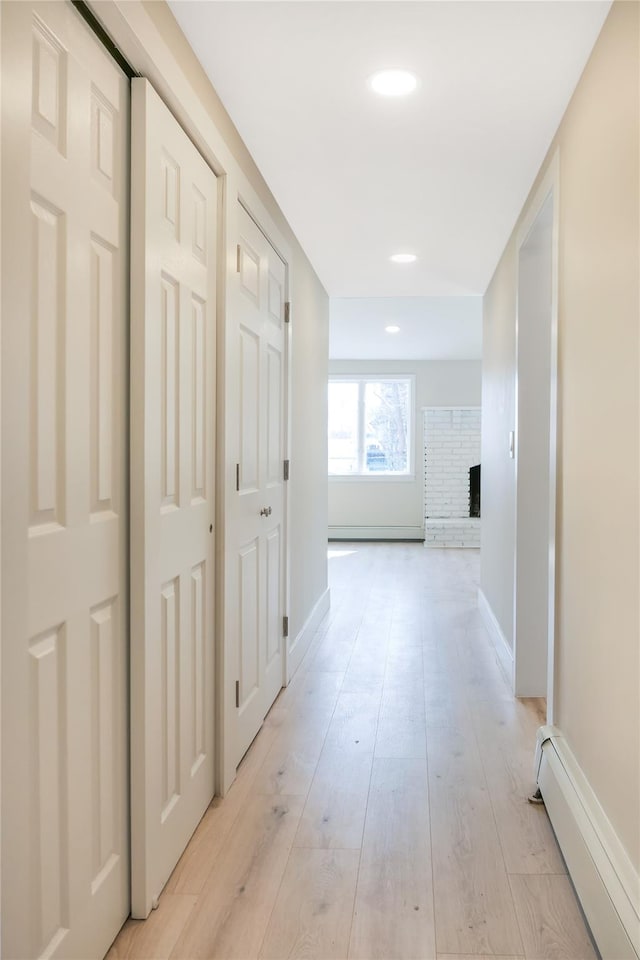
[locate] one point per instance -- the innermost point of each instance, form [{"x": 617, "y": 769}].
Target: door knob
[{"x": 266, "y": 512}]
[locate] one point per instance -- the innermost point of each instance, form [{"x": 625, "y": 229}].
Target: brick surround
[{"x": 451, "y": 446}]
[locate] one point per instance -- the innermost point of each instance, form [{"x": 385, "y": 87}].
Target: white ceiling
[
  {"x": 443, "y": 173},
  {"x": 431, "y": 328}
]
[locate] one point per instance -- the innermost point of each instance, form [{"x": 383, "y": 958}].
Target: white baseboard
[
  {"x": 376, "y": 533},
  {"x": 500, "y": 642},
  {"x": 300, "y": 643},
  {"x": 607, "y": 883}
]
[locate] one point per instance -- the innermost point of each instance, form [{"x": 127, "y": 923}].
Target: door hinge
[
  {"x": 237, "y": 476},
  {"x": 287, "y": 468},
  {"x": 237, "y": 693},
  {"x": 287, "y": 312},
  {"x": 238, "y": 258},
  {"x": 285, "y": 626}
]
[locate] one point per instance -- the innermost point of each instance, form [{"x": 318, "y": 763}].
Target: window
[{"x": 370, "y": 426}]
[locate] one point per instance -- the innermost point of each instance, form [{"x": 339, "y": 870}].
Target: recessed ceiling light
[
  {"x": 392, "y": 329},
  {"x": 393, "y": 83},
  {"x": 403, "y": 258}
]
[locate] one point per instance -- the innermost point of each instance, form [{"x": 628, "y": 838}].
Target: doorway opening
[{"x": 536, "y": 415}]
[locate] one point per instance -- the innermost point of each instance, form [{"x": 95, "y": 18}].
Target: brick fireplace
[{"x": 451, "y": 448}]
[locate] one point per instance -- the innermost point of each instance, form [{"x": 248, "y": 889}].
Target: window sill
[{"x": 372, "y": 477}]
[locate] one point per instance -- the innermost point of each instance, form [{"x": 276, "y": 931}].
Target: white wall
[
  {"x": 308, "y": 528},
  {"x": 498, "y": 419},
  {"x": 597, "y": 702},
  {"x": 534, "y": 505},
  {"x": 395, "y": 507}
]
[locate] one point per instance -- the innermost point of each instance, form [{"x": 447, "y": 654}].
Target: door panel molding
[
  {"x": 174, "y": 265},
  {"x": 257, "y": 431},
  {"x": 65, "y": 198},
  {"x": 134, "y": 32}
]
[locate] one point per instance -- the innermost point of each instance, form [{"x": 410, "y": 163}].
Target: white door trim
[
  {"x": 1, "y": 340},
  {"x": 549, "y": 186},
  {"x": 133, "y": 31}
]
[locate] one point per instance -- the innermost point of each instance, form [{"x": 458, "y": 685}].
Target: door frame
[
  {"x": 134, "y": 33},
  {"x": 1, "y": 578},
  {"x": 549, "y": 187}
]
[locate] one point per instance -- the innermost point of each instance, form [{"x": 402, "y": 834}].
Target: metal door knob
[{"x": 266, "y": 512}]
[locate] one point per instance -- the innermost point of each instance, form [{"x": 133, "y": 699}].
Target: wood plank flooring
[{"x": 381, "y": 812}]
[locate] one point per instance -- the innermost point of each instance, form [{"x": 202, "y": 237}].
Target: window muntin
[{"x": 370, "y": 426}]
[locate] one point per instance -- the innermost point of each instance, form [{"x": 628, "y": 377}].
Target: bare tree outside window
[
  {"x": 386, "y": 415},
  {"x": 369, "y": 426}
]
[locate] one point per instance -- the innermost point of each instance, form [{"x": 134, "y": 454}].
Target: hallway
[{"x": 381, "y": 811}]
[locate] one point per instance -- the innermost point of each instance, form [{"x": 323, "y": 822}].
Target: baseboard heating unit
[{"x": 607, "y": 883}]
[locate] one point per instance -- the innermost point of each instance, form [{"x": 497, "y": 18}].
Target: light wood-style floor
[{"x": 381, "y": 812}]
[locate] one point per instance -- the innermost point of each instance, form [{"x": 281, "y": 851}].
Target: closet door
[
  {"x": 174, "y": 200},
  {"x": 257, "y": 571},
  {"x": 65, "y": 120}
]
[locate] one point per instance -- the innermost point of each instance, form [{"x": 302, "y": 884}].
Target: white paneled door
[
  {"x": 65, "y": 849},
  {"x": 257, "y": 571},
  {"x": 174, "y": 201}
]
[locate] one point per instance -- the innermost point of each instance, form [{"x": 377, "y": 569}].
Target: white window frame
[{"x": 379, "y": 476}]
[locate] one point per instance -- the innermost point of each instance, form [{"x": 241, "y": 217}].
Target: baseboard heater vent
[
  {"x": 376, "y": 533},
  {"x": 605, "y": 880}
]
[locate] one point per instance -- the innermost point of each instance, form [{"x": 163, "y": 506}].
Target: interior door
[
  {"x": 65, "y": 856},
  {"x": 174, "y": 201},
  {"x": 259, "y": 322}
]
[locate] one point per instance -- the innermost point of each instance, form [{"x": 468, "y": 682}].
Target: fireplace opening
[{"x": 474, "y": 491}]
